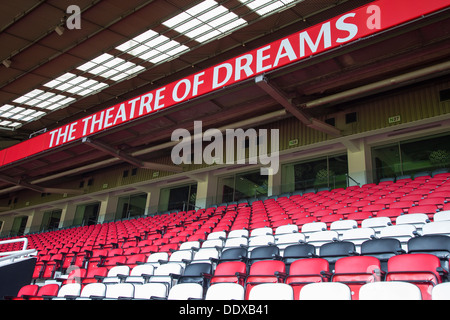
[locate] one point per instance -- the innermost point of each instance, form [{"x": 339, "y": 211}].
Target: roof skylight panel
[
  {"x": 110, "y": 67},
  {"x": 264, "y": 7},
  {"x": 205, "y": 21}
]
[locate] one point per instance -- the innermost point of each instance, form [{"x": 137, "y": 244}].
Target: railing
[{"x": 12, "y": 255}]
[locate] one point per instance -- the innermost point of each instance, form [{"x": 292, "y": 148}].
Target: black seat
[
  {"x": 332, "y": 251},
  {"x": 383, "y": 249},
  {"x": 234, "y": 254},
  {"x": 269, "y": 252},
  {"x": 298, "y": 251},
  {"x": 435, "y": 244},
  {"x": 199, "y": 273}
]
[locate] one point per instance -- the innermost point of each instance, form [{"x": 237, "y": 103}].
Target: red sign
[{"x": 357, "y": 24}]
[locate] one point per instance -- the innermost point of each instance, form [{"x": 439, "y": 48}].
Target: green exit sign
[{"x": 394, "y": 119}]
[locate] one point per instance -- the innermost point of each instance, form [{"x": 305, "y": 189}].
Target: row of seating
[
  {"x": 393, "y": 290},
  {"x": 172, "y": 281},
  {"x": 280, "y": 221}
]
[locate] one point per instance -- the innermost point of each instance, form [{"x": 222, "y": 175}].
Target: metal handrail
[{"x": 11, "y": 255}]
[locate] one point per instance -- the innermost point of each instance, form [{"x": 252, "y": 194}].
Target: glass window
[
  {"x": 411, "y": 156},
  {"x": 242, "y": 186},
  {"x": 130, "y": 206},
  {"x": 178, "y": 198},
  {"x": 328, "y": 172}
]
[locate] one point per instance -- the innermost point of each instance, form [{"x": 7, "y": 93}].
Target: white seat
[
  {"x": 288, "y": 228},
  {"x": 401, "y": 232},
  {"x": 311, "y": 227},
  {"x": 271, "y": 291},
  {"x": 441, "y": 291},
  {"x": 116, "y": 274},
  {"x": 389, "y": 290},
  {"x": 261, "y": 240},
  {"x": 341, "y": 225},
  {"x": 205, "y": 255},
  {"x": 325, "y": 291},
  {"x": 213, "y": 243},
  {"x": 236, "y": 242},
  {"x": 167, "y": 273},
  {"x": 158, "y": 258},
  {"x": 92, "y": 291},
  {"x": 186, "y": 291},
  {"x": 441, "y": 216},
  {"x": 376, "y": 223},
  {"x": 358, "y": 236},
  {"x": 437, "y": 227},
  {"x": 182, "y": 257},
  {"x": 189, "y": 245},
  {"x": 238, "y": 233},
  {"x": 140, "y": 274},
  {"x": 261, "y": 232},
  {"x": 321, "y": 237},
  {"x": 222, "y": 235},
  {"x": 225, "y": 291},
  {"x": 150, "y": 290},
  {"x": 287, "y": 239},
  {"x": 68, "y": 291},
  {"x": 415, "y": 219},
  {"x": 119, "y": 291}
]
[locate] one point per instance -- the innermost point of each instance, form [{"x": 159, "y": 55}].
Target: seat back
[
  {"x": 304, "y": 271},
  {"x": 356, "y": 271},
  {"x": 420, "y": 269},
  {"x": 272, "y": 291},
  {"x": 393, "y": 290},
  {"x": 325, "y": 291},
  {"x": 186, "y": 291},
  {"x": 225, "y": 291},
  {"x": 230, "y": 271}
]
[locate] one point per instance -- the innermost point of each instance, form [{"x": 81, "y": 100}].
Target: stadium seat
[
  {"x": 271, "y": 291},
  {"x": 423, "y": 270},
  {"x": 382, "y": 249},
  {"x": 418, "y": 220},
  {"x": 304, "y": 271},
  {"x": 441, "y": 291},
  {"x": 376, "y": 223},
  {"x": 116, "y": 274},
  {"x": 325, "y": 291},
  {"x": 186, "y": 291},
  {"x": 119, "y": 291},
  {"x": 93, "y": 291},
  {"x": 298, "y": 251},
  {"x": 264, "y": 252},
  {"x": 357, "y": 236},
  {"x": 149, "y": 291},
  {"x": 392, "y": 290},
  {"x": 167, "y": 274},
  {"x": 319, "y": 238},
  {"x": 437, "y": 245},
  {"x": 355, "y": 271},
  {"x": 69, "y": 291},
  {"x": 140, "y": 274},
  {"x": 225, "y": 291},
  {"x": 400, "y": 232},
  {"x": 265, "y": 271},
  {"x": 437, "y": 227}
]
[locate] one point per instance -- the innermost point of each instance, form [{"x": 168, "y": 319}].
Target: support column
[
  {"x": 359, "y": 162},
  {"x": 206, "y": 189}
]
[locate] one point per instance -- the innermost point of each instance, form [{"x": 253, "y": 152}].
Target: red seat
[
  {"x": 356, "y": 271},
  {"x": 25, "y": 291},
  {"x": 421, "y": 269},
  {"x": 230, "y": 271},
  {"x": 304, "y": 271},
  {"x": 429, "y": 210},
  {"x": 266, "y": 271}
]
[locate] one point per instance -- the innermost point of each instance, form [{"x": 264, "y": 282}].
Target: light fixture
[
  {"x": 59, "y": 30},
  {"x": 7, "y": 63}
]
